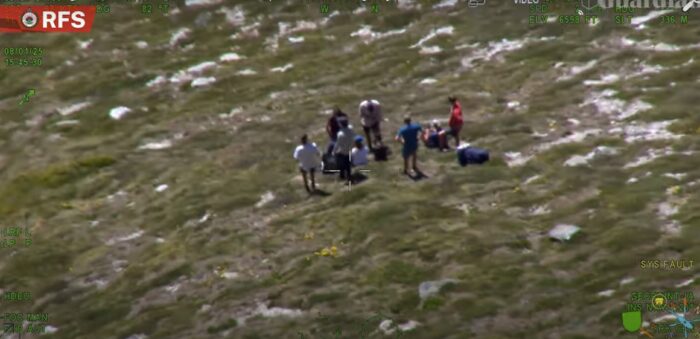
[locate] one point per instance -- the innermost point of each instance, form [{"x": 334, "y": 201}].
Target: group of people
[{"x": 348, "y": 148}]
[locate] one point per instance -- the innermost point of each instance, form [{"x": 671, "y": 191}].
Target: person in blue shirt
[{"x": 408, "y": 136}]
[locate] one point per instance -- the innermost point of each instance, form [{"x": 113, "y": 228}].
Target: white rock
[
  {"x": 277, "y": 312},
  {"x": 157, "y": 145},
  {"x": 85, "y": 44},
  {"x": 408, "y": 326},
  {"x": 386, "y": 326},
  {"x": 606, "y": 293},
  {"x": 141, "y": 44},
  {"x": 563, "y": 232},
  {"x": 159, "y": 80},
  {"x": 428, "y": 81},
  {"x": 201, "y": 82},
  {"x": 685, "y": 283},
  {"x": 202, "y": 2},
  {"x": 131, "y": 236},
  {"x": 626, "y": 281},
  {"x": 172, "y": 288},
  {"x": 282, "y": 69},
  {"x": 677, "y": 176},
  {"x": 513, "y": 104},
  {"x": 539, "y": 210},
  {"x": 446, "y": 30},
  {"x": 204, "y": 218},
  {"x": 532, "y": 179},
  {"x": 64, "y": 111},
  {"x": 368, "y": 35},
  {"x": 119, "y": 112},
  {"x": 296, "y": 40},
  {"x": 180, "y": 35},
  {"x": 228, "y": 57},
  {"x": 230, "y": 275},
  {"x": 429, "y": 288},
  {"x": 234, "y": 16},
  {"x": 247, "y": 71},
  {"x": 514, "y": 159},
  {"x": 201, "y": 67},
  {"x": 68, "y": 123},
  {"x": 445, "y": 4},
  {"x": 428, "y": 50},
  {"x": 161, "y": 188},
  {"x": 265, "y": 199}
]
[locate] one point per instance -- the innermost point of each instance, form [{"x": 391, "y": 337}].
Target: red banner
[{"x": 20, "y": 19}]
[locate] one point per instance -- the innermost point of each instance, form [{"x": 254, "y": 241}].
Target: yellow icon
[{"x": 658, "y": 301}]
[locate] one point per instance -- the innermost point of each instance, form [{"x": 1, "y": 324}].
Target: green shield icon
[{"x": 632, "y": 321}]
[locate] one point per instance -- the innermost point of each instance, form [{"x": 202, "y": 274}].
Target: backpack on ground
[
  {"x": 472, "y": 155},
  {"x": 329, "y": 163},
  {"x": 381, "y": 153}
]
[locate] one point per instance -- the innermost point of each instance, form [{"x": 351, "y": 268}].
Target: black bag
[
  {"x": 381, "y": 153},
  {"x": 472, "y": 155},
  {"x": 329, "y": 164}
]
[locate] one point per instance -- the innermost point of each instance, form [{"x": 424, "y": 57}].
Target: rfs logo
[{"x": 29, "y": 19}]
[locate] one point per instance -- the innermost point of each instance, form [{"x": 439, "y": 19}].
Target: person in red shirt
[{"x": 456, "y": 122}]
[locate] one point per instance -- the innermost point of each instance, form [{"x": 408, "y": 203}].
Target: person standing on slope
[
  {"x": 333, "y": 127},
  {"x": 456, "y": 122},
  {"x": 342, "y": 149},
  {"x": 408, "y": 136},
  {"x": 371, "y": 118},
  {"x": 309, "y": 158}
]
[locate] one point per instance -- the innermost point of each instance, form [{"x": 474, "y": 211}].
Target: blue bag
[{"x": 472, "y": 155}]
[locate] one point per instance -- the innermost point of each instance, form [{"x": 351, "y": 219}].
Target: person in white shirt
[
  {"x": 309, "y": 158},
  {"x": 371, "y": 118},
  {"x": 359, "y": 153}
]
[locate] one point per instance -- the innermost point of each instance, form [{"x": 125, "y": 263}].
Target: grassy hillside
[{"x": 590, "y": 125}]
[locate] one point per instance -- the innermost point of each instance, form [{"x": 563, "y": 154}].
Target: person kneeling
[
  {"x": 432, "y": 136},
  {"x": 359, "y": 158}
]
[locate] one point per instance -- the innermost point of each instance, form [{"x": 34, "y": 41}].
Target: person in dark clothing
[
  {"x": 334, "y": 123},
  {"x": 343, "y": 147},
  {"x": 408, "y": 136}
]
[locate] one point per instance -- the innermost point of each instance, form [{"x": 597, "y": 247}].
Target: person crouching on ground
[
  {"x": 342, "y": 149},
  {"x": 432, "y": 137},
  {"x": 359, "y": 153},
  {"x": 408, "y": 136},
  {"x": 309, "y": 158},
  {"x": 371, "y": 118}
]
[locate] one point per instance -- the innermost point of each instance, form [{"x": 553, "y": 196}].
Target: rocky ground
[{"x": 154, "y": 170}]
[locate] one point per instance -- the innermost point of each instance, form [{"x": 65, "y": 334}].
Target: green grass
[{"x": 391, "y": 233}]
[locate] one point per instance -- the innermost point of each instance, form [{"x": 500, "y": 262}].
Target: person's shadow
[
  {"x": 418, "y": 176},
  {"x": 357, "y": 178},
  {"x": 320, "y": 193}
]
